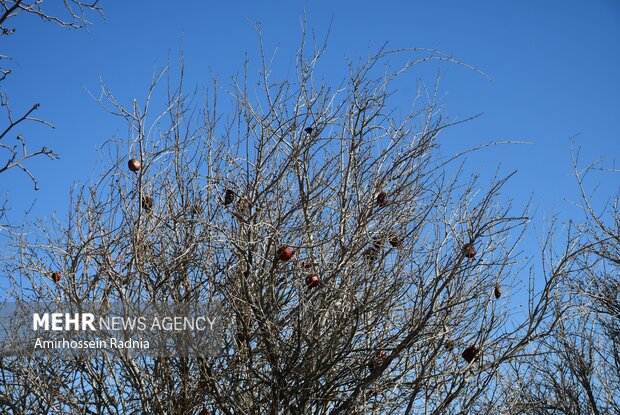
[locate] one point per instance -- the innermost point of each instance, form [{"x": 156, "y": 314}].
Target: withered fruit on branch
[
  {"x": 229, "y": 197},
  {"x": 497, "y": 291},
  {"x": 55, "y": 276},
  {"x": 395, "y": 240},
  {"x": 382, "y": 199},
  {"x": 470, "y": 353},
  {"x": 313, "y": 281},
  {"x": 285, "y": 253},
  {"x": 134, "y": 165},
  {"x": 469, "y": 251}
]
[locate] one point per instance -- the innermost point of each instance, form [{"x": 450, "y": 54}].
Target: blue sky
[{"x": 554, "y": 66}]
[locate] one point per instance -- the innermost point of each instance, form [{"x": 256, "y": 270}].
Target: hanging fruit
[
  {"x": 285, "y": 253},
  {"x": 56, "y": 276},
  {"x": 497, "y": 291},
  {"x": 395, "y": 240},
  {"x": 470, "y": 353},
  {"x": 313, "y": 281},
  {"x": 147, "y": 203},
  {"x": 469, "y": 251},
  {"x": 308, "y": 130},
  {"x": 229, "y": 197},
  {"x": 382, "y": 199},
  {"x": 134, "y": 165}
]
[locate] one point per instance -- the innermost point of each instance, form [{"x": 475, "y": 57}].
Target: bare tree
[
  {"x": 576, "y": 369},
  {"x": 14, "y": 148},
  {"x": 362, "y": 273},
  {"x": 72, "y": 14}
]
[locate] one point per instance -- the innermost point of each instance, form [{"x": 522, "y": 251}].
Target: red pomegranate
[
  {"x": 229, "y": 197},
  {"x": 56, "y": 276},
  {"x": 313, "y": 281},
  {"x": 285, "y": 253},
  {"x": 470, "y": 353},
  {"x": 382, "y": 199},
  {"x": 469, "y": 251},
  {"x": 134, "y": 165},
  {"x": 395, "y": 240},
  {"x": 497, "y": 291}
]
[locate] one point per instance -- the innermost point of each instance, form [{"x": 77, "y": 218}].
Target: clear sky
[{"x": 554, "y": 64}]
